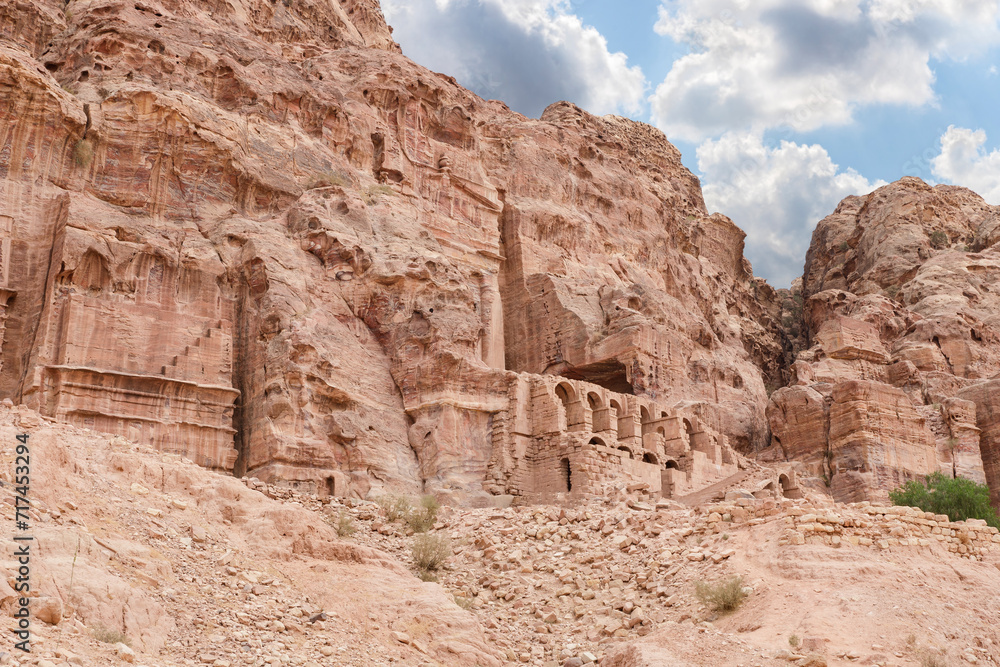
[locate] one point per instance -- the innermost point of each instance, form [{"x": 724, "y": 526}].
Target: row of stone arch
[
  {"x": 567, "y": 395},
  {"x": 647, "y": 457}
]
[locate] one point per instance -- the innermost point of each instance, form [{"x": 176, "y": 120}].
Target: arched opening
[
  {"x": 661, "y": 431},
  {"x": 597, "y": 441},
  {"x": 626, "y": 452},
  {"x": 565, "y": 393},
  {"x": 788, "y": 488},
  {"x": 644, "y": 420},
  {"x": 688, "y": 430},
  {"x": 617, "y": 408},
  {"x": 567, "y": 474},
  {"x": 663, "y": 414},
  {"x": 783, "y": 482},
  {"x": 671, "y": 464},
  {"x": 649, "y": 457},
  {"x": 594, "y": 401}
]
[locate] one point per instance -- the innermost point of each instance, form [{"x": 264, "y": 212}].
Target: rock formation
[
  {"x": 255, "y": 234},
  {"x": 902, "y": 326}
]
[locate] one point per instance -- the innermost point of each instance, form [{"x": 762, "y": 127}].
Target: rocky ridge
[{"x": 898, "y": 373}]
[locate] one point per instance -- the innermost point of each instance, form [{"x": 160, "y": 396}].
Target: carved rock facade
[{"x": 255, "y": 234}]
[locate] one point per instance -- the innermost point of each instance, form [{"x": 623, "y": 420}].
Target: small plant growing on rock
[
  {"x": 326, "y": 179},
  {"x": 724, "y": 595},
  {"x": 343, "y": 524},
  {"x": 83, "y": 153},
  {"x": 794, "y": 641},
  {"x": 429, "y": 553},
  {"x": 939, "y": 239},
  {"x": 374, "y": 193},
  {"x": 109, "y": 636}
]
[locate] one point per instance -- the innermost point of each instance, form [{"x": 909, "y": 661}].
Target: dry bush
[
  {"x": 83, "y": 153},
  {"x": 723, "y": 596},
  {"x": 422, "y": 519},
  {"x": 109, "y": 636},
  {"x": 430, "y": 552},
  {"x": 343, "y": 523},
  {"x": 396, "y": 508}
]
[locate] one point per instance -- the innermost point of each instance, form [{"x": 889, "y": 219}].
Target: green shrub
[
  {"x": 793, "y": 641},
  {"x": 958, "y": 497},
  {"x": 430, "y": 552},
  {"x": 939, "y": 239},
  {"x": 723, "y": 595}
]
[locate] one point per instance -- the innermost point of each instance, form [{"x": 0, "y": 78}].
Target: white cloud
[
  {"x": 964, "y": 161},
  {"x": 807, "y": 63},
  {"x": 777, "y": 195},
  {"x": 528, "y": 53}
]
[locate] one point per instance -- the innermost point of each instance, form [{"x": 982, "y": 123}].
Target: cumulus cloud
[
  {"x": 777, "y": 195},
  {"x": 528, "y": 53},
  {"x": 963, "y": 160},
  {"x": 804, "y": 64}
]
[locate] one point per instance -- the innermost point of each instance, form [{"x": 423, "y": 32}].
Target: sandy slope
[{"x": 199, "y": 568}]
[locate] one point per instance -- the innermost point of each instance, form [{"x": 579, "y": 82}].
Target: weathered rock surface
[
  {"x": 257, "y": 235},
  {"x": 902, "y": 322}
]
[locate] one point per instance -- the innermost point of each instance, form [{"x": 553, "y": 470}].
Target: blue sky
[{"x": 781, "y": 107}]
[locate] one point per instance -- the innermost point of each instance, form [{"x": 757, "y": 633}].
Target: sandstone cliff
[
  {"x": 902, "y": 320},
  {"x": 257, "y": 235}
]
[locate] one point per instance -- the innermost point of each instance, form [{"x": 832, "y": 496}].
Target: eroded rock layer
[
  {"x": 255, "y": 234},
  {"x": 902, "y": 317}
]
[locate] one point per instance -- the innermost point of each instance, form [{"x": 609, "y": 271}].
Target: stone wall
[{"x": 572, "y": 437}]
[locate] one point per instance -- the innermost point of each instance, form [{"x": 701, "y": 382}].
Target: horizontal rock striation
[{"x": 901, "y": 319}]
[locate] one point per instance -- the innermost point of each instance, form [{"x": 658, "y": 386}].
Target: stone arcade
[{"x": 561, "y": 436}]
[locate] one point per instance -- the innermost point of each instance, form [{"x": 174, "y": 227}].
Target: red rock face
[
  {"x": 257, "y": 235},
  {"x": 901, "y": 311}
]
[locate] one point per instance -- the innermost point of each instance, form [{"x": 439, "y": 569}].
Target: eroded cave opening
[{"x": 610, "y": 374}]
